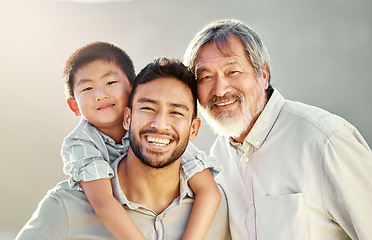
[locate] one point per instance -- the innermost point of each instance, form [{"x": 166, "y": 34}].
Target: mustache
[
  {"x": 155, "y": 131},
  {"x": 226, "y": 97}
]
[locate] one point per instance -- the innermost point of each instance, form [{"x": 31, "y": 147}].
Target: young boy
[{"x": 98, "y": 80}]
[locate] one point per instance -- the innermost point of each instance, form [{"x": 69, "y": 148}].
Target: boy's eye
[
  {"x": 111, "y": 82},
  {"x": 86, "y": 89}
]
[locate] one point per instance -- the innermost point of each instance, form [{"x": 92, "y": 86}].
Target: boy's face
[
  {"x": 161, "y": 121},
  {"x": 101, "y": 91}
]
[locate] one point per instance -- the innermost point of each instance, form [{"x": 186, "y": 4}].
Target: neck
[
  {"x": 115, "y": 132},
  {"x": 245, "y": 133},
  {"x": 153, "y": 188}
]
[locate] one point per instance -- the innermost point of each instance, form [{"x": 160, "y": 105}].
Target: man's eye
[
  {"x": 204, "y": 78},
  {"x": 234, "y": 72},
  {"x": 177, "y": 113},
  {"x": 147, "y": 109}
]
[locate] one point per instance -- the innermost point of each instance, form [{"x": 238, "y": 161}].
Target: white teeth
[
  {"x": 158, "y": 141},
  {"x": 224, "y": 104}
]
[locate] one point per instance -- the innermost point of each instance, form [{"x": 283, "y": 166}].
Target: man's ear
[
  {"x": 73, "y": 106},
  {"x": 265, "y": 75},
  {"x": 126, "y": 121},
  {"x": 194, "y": 130}
]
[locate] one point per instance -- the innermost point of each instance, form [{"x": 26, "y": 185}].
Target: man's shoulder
[
  {"x": 66, "y": 195},
  {"x": 314, "y": 118},
  {"x": 64, "y": 213},
  {"x": 65, "y": 199}
]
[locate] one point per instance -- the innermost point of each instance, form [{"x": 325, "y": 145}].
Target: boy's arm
[
  {"x": 109, "y": 210},
  {"x": 194, "y": 160},
  {"x": 207, "y": 200}
]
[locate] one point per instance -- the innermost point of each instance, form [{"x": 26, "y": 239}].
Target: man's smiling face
[{"x": 161, "y": 121}]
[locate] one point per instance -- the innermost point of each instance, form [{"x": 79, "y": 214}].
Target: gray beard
[{"x": 233, "y": 123}]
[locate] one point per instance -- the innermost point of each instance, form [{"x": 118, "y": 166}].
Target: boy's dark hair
[
  {"x": 96, "y": 51},
  {"x": 166, "y": 67}
]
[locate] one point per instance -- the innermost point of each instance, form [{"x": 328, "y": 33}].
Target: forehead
[
  {"x": 98, "y": 69},
  {"x": 166, "y": 90},
  {"x": 97, "y": 66},
  {"x": 210, "y": 54}
]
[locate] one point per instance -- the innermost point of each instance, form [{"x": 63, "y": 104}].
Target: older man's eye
[{"x": 204, "y": 78}]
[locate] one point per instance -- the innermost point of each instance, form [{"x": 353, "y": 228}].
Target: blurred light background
[{"x": 320, "y": 53}]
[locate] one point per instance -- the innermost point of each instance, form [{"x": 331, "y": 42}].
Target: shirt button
[
  {"x": 246, "y": 159},
  {"x": 251, "y": 202},
  {"x": 257, "y": 142}
]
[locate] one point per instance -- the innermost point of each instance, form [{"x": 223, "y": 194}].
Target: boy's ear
[
  {"x": 126, "y": 121},
  {"x": 73, "y": 106},
  {"x": 194, "y": 129}
]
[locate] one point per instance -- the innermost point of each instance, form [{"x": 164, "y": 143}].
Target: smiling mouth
[
  {"x": 225, "y": 103},
  {"x": 106, "y": 106},
  {"x": 158, "y": 141}
]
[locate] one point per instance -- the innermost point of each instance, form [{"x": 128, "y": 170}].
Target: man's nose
[
  {"x": 160, "y": 121},
  {"x": 221, "y": 86}
]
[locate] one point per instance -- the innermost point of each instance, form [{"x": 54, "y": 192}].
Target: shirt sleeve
[
  {"x": 194, "y": 160},
  {"x": 348, "y": 184},
  {"x": 49, "y": 221},
  {"x": 85, "y": 158}
]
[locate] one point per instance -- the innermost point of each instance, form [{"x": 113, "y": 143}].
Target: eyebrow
[
  {"x": 180, "y": 105},
  {"x": 228, "y": 63},
  {"x": 232, "y": 62},
  {"x": 109, "y": 73},
  {"x": 176, "y": 105},
  {"x": 145, "y": 100}
]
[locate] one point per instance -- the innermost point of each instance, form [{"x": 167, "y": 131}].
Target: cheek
[
  {"x": 203, "y": 92},
  {"x": 81, "y": 101},
  {"x": 123, "y": 96}
]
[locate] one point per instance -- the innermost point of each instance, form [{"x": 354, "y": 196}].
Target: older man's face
[{"x": 230, "y": 92}]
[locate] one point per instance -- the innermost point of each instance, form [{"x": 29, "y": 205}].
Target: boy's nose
[{"x": 101, "y": 94}]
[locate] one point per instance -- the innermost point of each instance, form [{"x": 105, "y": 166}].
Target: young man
[
  {"x": 98, "y": 79},
  {"x": 148, "y": 183},
  {"x": 294, "y": 171}
]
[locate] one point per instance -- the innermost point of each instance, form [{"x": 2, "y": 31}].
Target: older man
[{"x": 291, "y": 171}]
